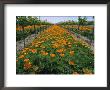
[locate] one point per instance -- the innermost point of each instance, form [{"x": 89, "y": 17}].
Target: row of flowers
[
  {"x": 19, "y": 28},
  {"x": 83, "y": 28},
  {"x": 58, "y": 47}
]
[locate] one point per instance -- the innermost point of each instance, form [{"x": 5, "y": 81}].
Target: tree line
[
  {"x": 23, "y": 21},
  {"x": 81, "y": 21}
]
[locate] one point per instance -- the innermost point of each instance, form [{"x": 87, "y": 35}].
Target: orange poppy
[
  {"x": 62, "y": 55},
  {"x": 71, "y": 53},
  {"x": 22, "y": 56},
  {"x": 52, "y": 55},
  {"x": 27, "y": 65},
  {"x": 71, "y": 62},
  {"x": 60, "y": 50},
  {"x": 26, "y": 60},
  {"x": 33, "y": 50}
]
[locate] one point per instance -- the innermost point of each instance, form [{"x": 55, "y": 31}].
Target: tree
[
  {"x": 33, "y": 21},
  {"x": 79, "y": 17},
  {"x": 81, "y": 21}
]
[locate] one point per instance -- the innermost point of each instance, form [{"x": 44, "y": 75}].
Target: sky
[{"x": 56, "y": 19}]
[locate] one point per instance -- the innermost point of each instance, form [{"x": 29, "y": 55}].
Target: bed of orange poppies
[
  {"x": 82, "y": 28},
  {"x": 55, "y": 51}
]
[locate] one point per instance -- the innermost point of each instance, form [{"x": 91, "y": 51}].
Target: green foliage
[
  {"x": 83, "y": 58},
  {"x": 20, "y": 35},
  {"x": 68, "y": 23},
  {"x": 87, "y": 33},
  {"x": 22, "y": 20},
  {"x": 82, "y": 21},
  {"x": 82, "y": 61},
  {"x": 32, "y": 20}
]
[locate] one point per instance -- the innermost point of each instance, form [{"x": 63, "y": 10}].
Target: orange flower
[
  {"x": 60, "y": 50},
  {"x": 33, "y": 50},
  {"x": 71, "y": 62},
  {"x": 26, "y": 60},
  {"x": 64, "y": 42},
  {"x": 62, "y": 55},
  {"x": 27, "y": 65},
  {"x": 52, "y": 55},
  {"x": 18, "y": 29},
  {"x": 55, "y": 45},
  {"x": 22, "y": 56},
  {"x": 71, "y": 53},
  {"x": 16, "y": 60},
  {"x": 44, "y": 53}
]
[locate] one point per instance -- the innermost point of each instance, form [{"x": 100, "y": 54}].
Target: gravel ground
[
  {"x": 91, "y": 43},
  {"x": 28, "y": 40}
]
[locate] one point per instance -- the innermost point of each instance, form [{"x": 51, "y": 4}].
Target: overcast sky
[{"x": 56, "y": 19}]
